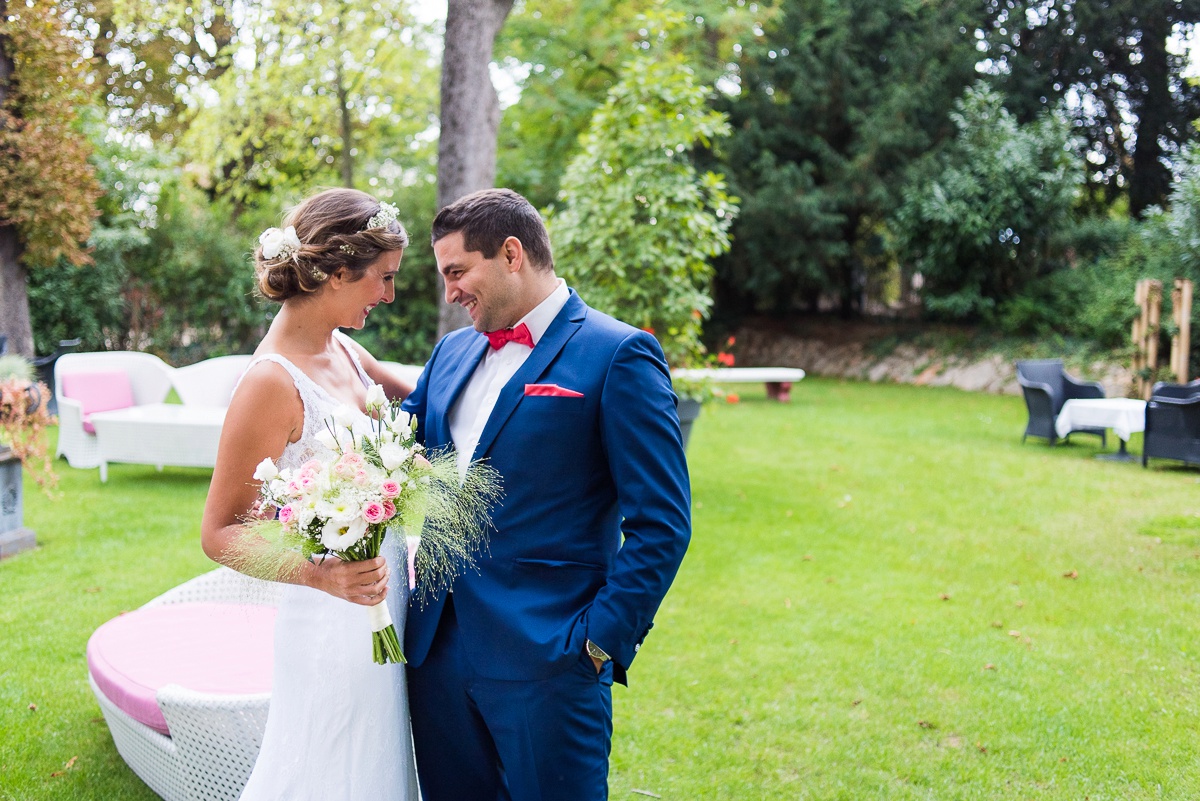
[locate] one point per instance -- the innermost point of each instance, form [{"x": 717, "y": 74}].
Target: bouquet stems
[{"x": 385, "y": 647}]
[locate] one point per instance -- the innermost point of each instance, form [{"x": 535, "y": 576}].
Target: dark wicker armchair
[
  {"x": 1047, "y": 387},
  {"x": 1173, "y": 423}
]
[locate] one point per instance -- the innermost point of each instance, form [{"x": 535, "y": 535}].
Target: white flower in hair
[
  {"x": 277, "y": 243},
  {"x": 386, "y": 216}
]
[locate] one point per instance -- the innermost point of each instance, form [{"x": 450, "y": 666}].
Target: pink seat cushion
[
  {"x": 221, "y": 649},
  {"x": 98, "y": 392}
]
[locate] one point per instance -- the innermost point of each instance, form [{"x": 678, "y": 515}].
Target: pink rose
[
  {"x": 312, "y": 467},
  {"x": 287, "y": 514},
  {"x": 294, "y": 489},
  {"x": 374, "y": 512},
  {"x": 389, "y": 510},
  {"x": 361, "y": 478},
  {"x": 390, "y": 488}
]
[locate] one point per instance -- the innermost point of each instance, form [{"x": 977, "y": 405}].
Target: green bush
[
  {"x": 171, "y": 272},
  {"x": 638, "y": 225},
  {"x": 977, "y": 220}
]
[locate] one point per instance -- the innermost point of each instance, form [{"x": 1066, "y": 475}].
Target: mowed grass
[{"x": 887, "y": 596}]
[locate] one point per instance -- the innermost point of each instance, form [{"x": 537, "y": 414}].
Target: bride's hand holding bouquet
[{"x": 342, "y": 505}]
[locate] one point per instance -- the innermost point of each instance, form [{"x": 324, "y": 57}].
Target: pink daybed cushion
[
  {"x": 98, "y": 392},
  {"x": 222, "y": 649}
]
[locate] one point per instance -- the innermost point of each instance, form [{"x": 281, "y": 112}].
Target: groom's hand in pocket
[{"x": 362, "y": 582}]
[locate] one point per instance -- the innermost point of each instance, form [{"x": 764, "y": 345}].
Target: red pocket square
[{"x": 551, "y": 390}]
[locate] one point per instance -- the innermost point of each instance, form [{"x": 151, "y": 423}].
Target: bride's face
[{"x": 355, "y": 299}]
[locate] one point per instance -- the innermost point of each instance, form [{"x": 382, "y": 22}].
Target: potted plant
[
  {"x": 23, "y": 422},
  {"x": 636, "y": 225}
]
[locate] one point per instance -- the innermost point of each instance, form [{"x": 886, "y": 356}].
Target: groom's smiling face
[{"x": 490, "y": 290}]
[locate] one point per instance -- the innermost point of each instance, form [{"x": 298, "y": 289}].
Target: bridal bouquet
[{"x": 343, "y": 505}]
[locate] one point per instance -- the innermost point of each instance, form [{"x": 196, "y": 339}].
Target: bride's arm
[
  {"x": 264, "y": 416},
  {"x": 393, "y": 387}
]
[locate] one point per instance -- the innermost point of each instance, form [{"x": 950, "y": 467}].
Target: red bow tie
[{"x": 520, "y": 335}]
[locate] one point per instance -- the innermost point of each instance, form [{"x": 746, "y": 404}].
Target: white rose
[
  {"x": 376, "y": 399},
  {"x": 401, "y": 421},
  {"x": 325, "y": 437},
  {"x": 345, "y": 415},
  {"x": 392, "y": 456},
  {"x": 275, "y": 242},
  {"x": 265, "y": 471}
]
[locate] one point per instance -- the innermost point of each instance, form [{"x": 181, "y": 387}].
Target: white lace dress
[{"x": 338, "y": 726}]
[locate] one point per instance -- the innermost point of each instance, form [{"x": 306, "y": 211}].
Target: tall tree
[
  {"x": 47, "y": 188},
  {"x": 150, "y": 56},
  {"x": 340, "y": 92},
  {"x": 638, "y": 225},
  {"x": 470, "y": 113},
  {"x": 567, "y": 56},
  {"x": 1126, "y": 89},
  {"x": 836, "y": 100}
]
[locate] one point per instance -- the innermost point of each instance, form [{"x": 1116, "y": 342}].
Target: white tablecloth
[{"x": 1125, "y": 416}]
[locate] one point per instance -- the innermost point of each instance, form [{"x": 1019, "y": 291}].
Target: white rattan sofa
[
  {"x": 210, "y": 382},
  {"x": 214, "y": 739},
  {"x": 149, "y": 379}
]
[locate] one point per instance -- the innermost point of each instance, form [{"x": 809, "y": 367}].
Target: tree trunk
[
  {"x": 343, "y": 100},
  {"x": 1151, "y": 180},
  {"x": 470, "y": 113},
  {"x": 14, "y": 300}
]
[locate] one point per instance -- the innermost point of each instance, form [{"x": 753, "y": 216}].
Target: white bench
[{"x": 778, "y": 380}]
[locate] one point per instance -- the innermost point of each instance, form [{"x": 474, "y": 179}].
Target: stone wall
[{"x": 870, "y": 352}]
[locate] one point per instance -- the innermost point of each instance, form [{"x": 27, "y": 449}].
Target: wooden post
[
  {"x": 1145, "y": 334},
  {"x": 1138, "y": 335},
  {"x": 1181, "y": 342}
]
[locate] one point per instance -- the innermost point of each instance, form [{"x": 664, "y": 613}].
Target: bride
[{"x": 338, "y": 723}]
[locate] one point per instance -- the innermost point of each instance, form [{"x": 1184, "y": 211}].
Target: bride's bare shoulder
[{"x": 265, "y": 381}]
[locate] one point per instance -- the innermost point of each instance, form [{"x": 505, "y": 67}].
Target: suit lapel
[
  {"x": 562, "y": 329},
  {"x": 475, "y": 349}
]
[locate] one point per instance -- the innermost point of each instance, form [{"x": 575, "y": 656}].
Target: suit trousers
[{"x": 481, "y": 739}]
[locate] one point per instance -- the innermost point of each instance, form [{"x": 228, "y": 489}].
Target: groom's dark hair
[{"x": 487, "y": 217}]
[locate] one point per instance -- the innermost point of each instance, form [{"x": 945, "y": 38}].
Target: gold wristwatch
[{"x": 596, "y": 652}]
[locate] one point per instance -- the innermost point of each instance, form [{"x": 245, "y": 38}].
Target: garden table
[
  {"x": 1125, "y": 416},
  {"x": 159, "y": 434}
]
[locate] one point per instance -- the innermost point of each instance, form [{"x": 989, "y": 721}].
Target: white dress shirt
[{"x": 474, "y": 406}]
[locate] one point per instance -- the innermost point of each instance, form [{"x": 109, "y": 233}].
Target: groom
[{"x": 510, "y": 674}]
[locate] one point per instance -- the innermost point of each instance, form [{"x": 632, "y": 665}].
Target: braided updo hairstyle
[{"x": 333, "y": 233}]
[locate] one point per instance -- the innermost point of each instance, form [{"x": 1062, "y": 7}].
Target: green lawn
[{"x": 887, "y": 596}]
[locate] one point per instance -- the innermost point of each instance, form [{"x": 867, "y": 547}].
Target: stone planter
[
  {"x": 14, "y": 537},
  {"x": 689, "y": 410}
]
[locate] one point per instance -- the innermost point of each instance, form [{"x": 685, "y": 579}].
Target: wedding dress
[{"x": 338, "y": 725}]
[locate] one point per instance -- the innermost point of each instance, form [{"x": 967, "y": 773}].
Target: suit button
[{"x": 637, "y": 648}]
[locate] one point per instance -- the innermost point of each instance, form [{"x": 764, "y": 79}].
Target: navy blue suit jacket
[{"x": 596, "y": 512}]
